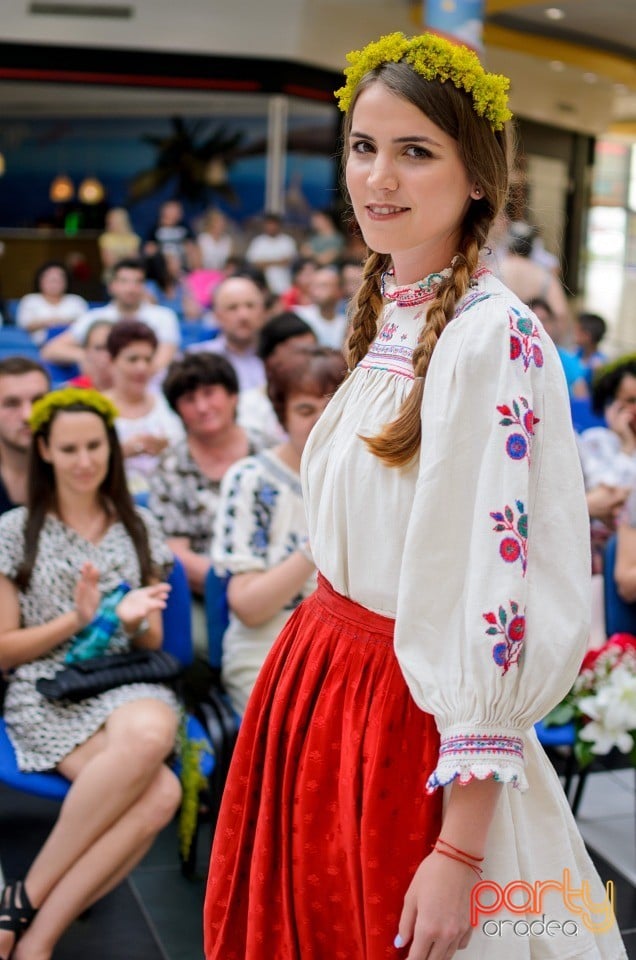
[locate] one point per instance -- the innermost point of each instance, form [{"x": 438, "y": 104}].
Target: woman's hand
[
  {"x": 436, "y": 914},
  {"x": 605, "y": 503},
  {"x": 138, "y": 604},
  {"x": 620, "y": 419},
  {"x": 87, "y": 594}
]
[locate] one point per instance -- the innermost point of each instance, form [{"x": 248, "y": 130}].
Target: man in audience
[
  {"x": 302, "y": 272},
  {"x": 173, "y": 235},
  {"x": 128, "y": 303},
  {"x": 350, "y": 279},
  {"x": 22, "y": 382},
  {"x": 572, "y": 367},
  {"x": 239, "y": 308},
  {"x": 323, "y": 314},
  {"x": 273, "y": 251}
]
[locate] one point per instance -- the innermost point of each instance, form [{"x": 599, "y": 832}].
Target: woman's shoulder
[{"x": 13, "y": 521}]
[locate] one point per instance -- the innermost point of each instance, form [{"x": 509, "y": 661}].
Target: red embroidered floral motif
[
  {"x": 518, "y": 445},
  {"x": 514, "y": 546},
  {"x": 524, "y": 339},
  {"x": 506, "y": 652}
]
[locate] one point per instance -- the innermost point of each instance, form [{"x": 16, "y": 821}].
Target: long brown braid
[{"x": 366, "y": 307}]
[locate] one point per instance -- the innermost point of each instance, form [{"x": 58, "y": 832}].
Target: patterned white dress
[{"x": 44, "y": 732}]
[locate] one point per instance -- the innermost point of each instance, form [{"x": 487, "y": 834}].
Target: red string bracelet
[
  {"x": 461, "y": 852},
  {"x": 451, "y": 856}
]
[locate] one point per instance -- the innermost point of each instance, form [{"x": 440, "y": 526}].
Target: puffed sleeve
[
  {"x": 160, "y": 553},
  {"x": 494, "y": 598},
  {"x": 12, "y": 541},
  {"x": 244, "y": 519}
]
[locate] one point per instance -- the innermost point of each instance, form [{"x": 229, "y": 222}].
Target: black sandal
[{"x": 16, "y": 910}]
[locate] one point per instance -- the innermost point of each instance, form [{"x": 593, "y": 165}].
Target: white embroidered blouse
[{"x": 480, "y": 548}]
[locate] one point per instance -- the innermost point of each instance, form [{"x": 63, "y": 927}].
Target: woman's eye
[
  {"x": 361, "y": 146},
  {"x": 417, "y": 152}
]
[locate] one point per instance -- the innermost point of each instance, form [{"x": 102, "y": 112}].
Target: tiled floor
[{"x": 156, "y": 914}]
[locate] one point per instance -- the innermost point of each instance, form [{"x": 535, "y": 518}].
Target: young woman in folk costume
[{"x": 447, "y": 519}]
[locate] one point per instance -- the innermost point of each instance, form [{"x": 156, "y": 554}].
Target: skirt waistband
[{"x": 345, "y": 609}]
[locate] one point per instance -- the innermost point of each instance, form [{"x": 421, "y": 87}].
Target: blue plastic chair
[
  {"x": 620, "y": 616},
  {"x": 217, "y": 613},
  {"x": 16, "y": 342},
  {"x": 177, "y": 631}
]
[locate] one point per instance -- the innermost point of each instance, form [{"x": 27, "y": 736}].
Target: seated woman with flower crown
[{"x": 77, "y": 541}]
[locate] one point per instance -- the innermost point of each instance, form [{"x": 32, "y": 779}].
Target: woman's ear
[
  {"x": 476, "y": 193},
  {"x": 43, "y": 449}
]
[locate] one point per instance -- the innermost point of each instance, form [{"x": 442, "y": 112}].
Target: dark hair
[
  {"x": 198, "y": 370},
  {"x": 593, "y": 324},
  {"x": 17, "y": 366},
  {"x": 247, "y": 272},
  {"x": 299, "y": 264},
  {"x": 113, "y": 492},
  {"x": 50, "y": 265},
  {"x": 271, "y": 215},
  {"x": 521, "y": 237},
  {"x": 125, "y": 332},
  {"x": 607, "y": 381},
  {"x": 318, "y": 371},
  {"x": 280, "y": 328},
  {"x": 129, "y": 263},
  {"x": 541, "y": 304},
  {"x": 484, "y": 154},
  {"x": 155, "y": 268}
]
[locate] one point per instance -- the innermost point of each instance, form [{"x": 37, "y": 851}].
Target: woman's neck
[
  {"x": 129, "y": 396},
  {"x": 84, "y": 513},
  {"x": 289, "y": 455}
]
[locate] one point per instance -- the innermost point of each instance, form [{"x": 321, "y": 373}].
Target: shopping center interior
[{"x": 92, "y": 93}]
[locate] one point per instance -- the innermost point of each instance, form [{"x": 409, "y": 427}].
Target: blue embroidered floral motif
[
  {"x": 518, "y": 445},
  {"x": 265, "y": 496},
  {"x": 514, "y": 546},
  {"x": 233, "y": 493},
  {"x": 524, "y": 339},
  {"x": 506, "y": 652}
]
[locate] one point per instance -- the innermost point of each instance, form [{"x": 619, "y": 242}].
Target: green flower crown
[
  {"x": 434, "y": 58},
  {"x": 44, "y": 408}
]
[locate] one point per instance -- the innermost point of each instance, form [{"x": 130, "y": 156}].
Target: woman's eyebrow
[{"x": 414, "y": 138}]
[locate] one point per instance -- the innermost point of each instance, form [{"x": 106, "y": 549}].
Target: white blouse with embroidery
[{"x": 480, "y": 551}]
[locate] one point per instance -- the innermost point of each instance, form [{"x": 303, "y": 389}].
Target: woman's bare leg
[
  {"x": 110, "y": 772},
  {"x": 102, "y": 866}
]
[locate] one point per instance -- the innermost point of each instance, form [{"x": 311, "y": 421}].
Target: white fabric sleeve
[
  {"x": 243, "y": 521},
  {"x": 494, "y": 599}
]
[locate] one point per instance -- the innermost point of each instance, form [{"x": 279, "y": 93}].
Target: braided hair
[{"x": 485, "y": 155}]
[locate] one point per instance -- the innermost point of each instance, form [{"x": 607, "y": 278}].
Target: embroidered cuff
[{"x": 470, "y": 756}]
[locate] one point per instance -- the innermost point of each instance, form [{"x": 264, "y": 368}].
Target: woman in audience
[
  {"x": 51, "y": 306},
  {"x": 145, "y": 424},
  {"x": 117, "y": 242},
  {"x": 261, "y": 530},
  {"x": 95, "y": 366},
  {"x": 215, "y": 241},
  {"x": 202, "y": 388},
  {"x": 166, "y": 285},
  {"x": 78, "y": 538},
  {"x": 325, "y": 242}
]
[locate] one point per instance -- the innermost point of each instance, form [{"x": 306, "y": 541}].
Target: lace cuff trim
[{"x": 478, "y": 756}]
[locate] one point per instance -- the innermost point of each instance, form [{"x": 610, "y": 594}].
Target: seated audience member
[
  {"x": 215, "y": 241},
  {"x": 625, "y": 567},
  {"x": 350, "y": 280},
  {"x": 589, "y": 330},
  {"x": 145, "y": 424},
  {"x": 325, "y": 242},
  {"x": 273, "y": 252},
  {"x": 573, "y": 369},
  {"x": 76, "y": 541},
  {"x": 261, "y": 531},
  {"x": 173, "y": 235},
  {"x": 166, "y": 285},
  {"x": 95, "y": 369},
  {"x": 608, "y": 454},
  {"x": 324, "y": 314},
  {"x": 22, "y": 382},
  {"x": 279, "y": 340},
  {"x": 128, "y": 303},
  {"x": 51, "y": 305},
  {"x": 184, "y": 489},
  {"x": 527, "y": 278},
  {"x": 239, "y": 310},
  {"x": 299, "y": 294},
  {"x": 117, "y": 242}
]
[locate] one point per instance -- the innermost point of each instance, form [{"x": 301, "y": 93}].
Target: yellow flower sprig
[
  {"x": 44, "y": 408},
  {"x": 434, "y": 58}
]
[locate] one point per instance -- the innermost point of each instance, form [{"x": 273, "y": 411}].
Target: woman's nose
[{"x": 383, "y": 175}]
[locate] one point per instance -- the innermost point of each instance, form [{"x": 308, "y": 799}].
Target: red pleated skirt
[{"x": 325, "y": 815}]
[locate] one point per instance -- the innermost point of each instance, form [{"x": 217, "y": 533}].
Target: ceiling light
[
  {"x": 91, "y": 190},
  {"x": 554, "y": 13},
  {"x": 62, "y": 189}
]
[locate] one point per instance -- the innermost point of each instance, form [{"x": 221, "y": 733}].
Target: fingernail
[{"x": 398, "y": 942}]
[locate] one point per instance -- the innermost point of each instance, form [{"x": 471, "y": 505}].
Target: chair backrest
[
  {"x": 177, "y": 617},
  {"x": 217, "y": 614},
  {"x": 583, "y": 417},
  {"x": 620, "y": 616}
]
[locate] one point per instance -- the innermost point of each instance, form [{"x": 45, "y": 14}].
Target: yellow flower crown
[
  {"x": 434, "y": 58},
  {"x": 44, "y": 408}
]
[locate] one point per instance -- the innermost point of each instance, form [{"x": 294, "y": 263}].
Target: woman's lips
[{"x": 384, "y": 211}]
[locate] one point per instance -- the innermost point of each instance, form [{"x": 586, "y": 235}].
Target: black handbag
[{"x": 86, "y": 678}]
